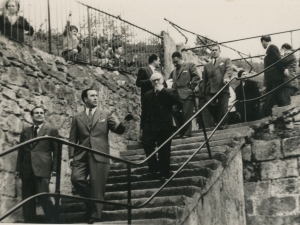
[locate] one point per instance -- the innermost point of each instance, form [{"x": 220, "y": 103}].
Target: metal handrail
[
  {"x": 241, "y": 39},
  {"x": 57, "y": 195}
]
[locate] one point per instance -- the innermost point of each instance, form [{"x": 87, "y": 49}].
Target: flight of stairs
[{"x": 175, "y": 202}]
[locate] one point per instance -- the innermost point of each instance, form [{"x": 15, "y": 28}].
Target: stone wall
[
  {"x": 272, "y": 182},
  {"x": 30, "y": 77},
  {"x": 222, "y": 200}
]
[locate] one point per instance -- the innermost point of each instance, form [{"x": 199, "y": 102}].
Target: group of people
[
  {"x": 168, "y": 105},
  {"x": 37, "y": 162}
]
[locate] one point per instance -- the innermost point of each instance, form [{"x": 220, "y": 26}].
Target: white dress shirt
[{"x": 93, "y": 111}]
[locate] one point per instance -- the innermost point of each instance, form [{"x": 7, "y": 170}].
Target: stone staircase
[{"x": 181, "y": 196}]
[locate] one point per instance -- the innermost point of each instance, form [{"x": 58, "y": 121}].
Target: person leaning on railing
[
  {"x": 70, "y": 41},
  {"x": 12, "y": 25},
  {"x": 289, "y": 64}
]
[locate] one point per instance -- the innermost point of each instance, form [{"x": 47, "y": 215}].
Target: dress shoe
[
  {"x": 178, "y": 136},
  {"x": 155, "y": 175},
  {"x": 94, "y": 220},
  {"x": 186, "y": 136}
]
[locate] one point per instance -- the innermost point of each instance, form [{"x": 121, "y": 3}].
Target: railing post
[
  {"x": 90, "y": 35},
  {"x": 245, "y": 110},
  {"x": 49, "y": 29},
  {"x": 129, "y": 193},
  {"x": 57, "y": 183},
  {"x": 205, "y": 135},
  {"x": 292, "y": 38}
]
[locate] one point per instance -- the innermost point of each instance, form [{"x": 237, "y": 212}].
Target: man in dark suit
[
  {"x": 247, "y": 89},
  {"x": 215, "y": 74},
  {"x": 144, "y": 74},
  {"x": 273, "y": 78},
  {"x": 143, "y": 77},
  {"x": 185, "y": 78},
  {"x": 157, "y": 125},
  {"x": 35, "y": 163},
  {"x": 90, "y": 128}
]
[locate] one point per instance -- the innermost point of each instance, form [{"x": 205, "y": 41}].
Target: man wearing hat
[{"x": 157, "y": 124}]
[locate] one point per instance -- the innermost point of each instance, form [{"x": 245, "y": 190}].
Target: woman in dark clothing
[
  {"x": 247, "y": 89},
  {"x": 12, "y": 25}
]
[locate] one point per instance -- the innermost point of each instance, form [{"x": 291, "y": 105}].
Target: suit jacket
[
  {"x": 143, "y": 79},
  {"x": 213, "y": 75},
  {"x": 157, "y": 110},
  {"x": 95, "y": 137},
  {"x": 251, "y": 91},
  {"x": 185, "y": 80},
  {"x": 37, "y": 157},
  {"x": 275, "y": 72}
]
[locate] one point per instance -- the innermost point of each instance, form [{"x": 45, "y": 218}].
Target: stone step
[
  {"x": 181, "y": 147},
  {"x": 197, "y": 181},
  {"x": 203, "y": 172},
  {"x": 196, "y": 137},
  {"x": 140, "y": 154},
  {"x": 161, "y": 221},
  {"x": 188, "y": 191},
  {"x": 177, "y": 200},
  {"x": 137, "y": 154},
  {"x": 211, "y": 164},
  {"x": 167, "y": 212}
]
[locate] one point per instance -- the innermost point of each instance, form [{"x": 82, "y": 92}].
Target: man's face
[
  {"x": 120, "y": 50},
  {"x": 157, "y": 81},
  {"x": 157, "y": 62},
  {"x": 92, "y": 99},
  {"x": 244, "y": 74},
  {"x": 177, "y": 62},
  {"x": 264, "y": 44},
  {"x": 215, "y": 52},
  {"x": 12, "y": 7},
  {"x": 38, "y": 115}
]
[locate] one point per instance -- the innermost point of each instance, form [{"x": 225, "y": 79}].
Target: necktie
[
  {"x": 156, "y": 92},
  {"x": 35, "y": 131},
  {"x": 214, "y": 61},
  {"x": 90, "y": 117}
]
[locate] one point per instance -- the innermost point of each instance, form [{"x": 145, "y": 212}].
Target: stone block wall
[
  {"x": 30, "y": 77},
  {"x": 272, "y": 181}
]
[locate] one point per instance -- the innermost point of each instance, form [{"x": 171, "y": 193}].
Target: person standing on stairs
[
  {"x": 157, "y": 125},
  {"x": 35, "y": 165},
  {"x": 273, "y": 77},
  {"x": 185, "y": 78},
  {"x": 143, "y": 77},
  {"x": 90, "y": 128},
  {"x": 215, "y": 75}
]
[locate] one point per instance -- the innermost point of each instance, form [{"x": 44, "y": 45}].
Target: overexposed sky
[{"x": 220, "y": 20}]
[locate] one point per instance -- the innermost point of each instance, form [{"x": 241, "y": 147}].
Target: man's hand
[
  {"x": 169, "y": 83},
  {"x": 286, "y": 72},
  {"x": 17, "y": 175},
  {"x": 226, "y": 81},
  {"x": 159, "y": 87},
  {"x": 71, "y": 163}
]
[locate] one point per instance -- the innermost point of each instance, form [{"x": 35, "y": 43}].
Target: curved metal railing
[{"x": 57, "y": 195}]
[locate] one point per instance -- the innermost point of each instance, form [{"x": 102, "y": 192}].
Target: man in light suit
[
  {"x": 34, "y": 165},
  {"x": 215, "y": 73},
  {"x": 273, "y": 78},
  {"x": 90, "y": 129},
  {"x": 185, "y": 78}
]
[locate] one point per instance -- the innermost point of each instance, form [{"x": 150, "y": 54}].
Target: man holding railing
[
  {"x": 273, "y": 78},
  {"x": 215, "y": 74}
]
